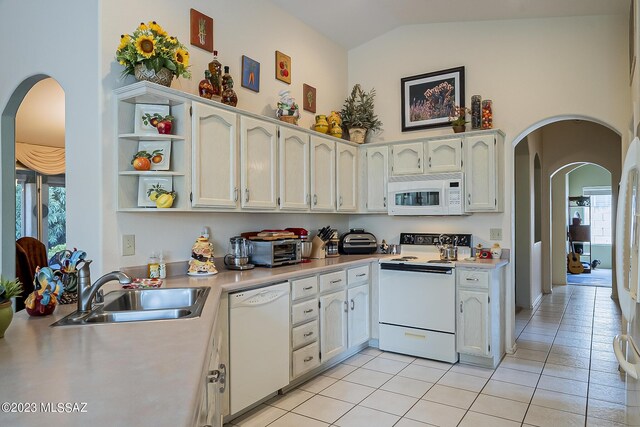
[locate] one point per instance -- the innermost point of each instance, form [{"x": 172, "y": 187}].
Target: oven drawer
[
  {"x": 358, "y": 275},
  {"x": 335, "y": 280},
  {"x": 418, "y": 342},
  {"x": 304, "y": 311},
  {"x": 305, "y": 334},
  {"x": 473, "y": 278},
  {"x": 303, "y": 288},
  {"x": 305, "y": 359}
]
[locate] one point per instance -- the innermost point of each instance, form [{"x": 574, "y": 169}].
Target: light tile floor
[{"x": 563, "y": 374}]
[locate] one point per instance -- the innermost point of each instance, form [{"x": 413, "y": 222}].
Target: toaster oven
[{"x": 273, "y": 253}]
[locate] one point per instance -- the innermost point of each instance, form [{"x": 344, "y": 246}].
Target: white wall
[
  {"x": 253, "y": 28},
  {"x": 522, "y": 250},
  {"x": 41, "y": 39}
]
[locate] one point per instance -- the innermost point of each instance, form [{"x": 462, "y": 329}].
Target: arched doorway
[
  {"x": 557, "y": 142},
  {"x": 8, "y": 170}
]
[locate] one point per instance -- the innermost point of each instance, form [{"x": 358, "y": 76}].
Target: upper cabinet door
[
  {"x": 444, "y": 155},
  {"x": 258, "y": 163},
  {"x": 480, "y": 178},
  {"x": 323, "y": 172},
  {"x": 377, "y": 177},
  {"x": 407, "y": 159},
  {"x": 214, "y": 157},
  {"x": 347, "y": 176},
  {"x": 294, "y": 169}
]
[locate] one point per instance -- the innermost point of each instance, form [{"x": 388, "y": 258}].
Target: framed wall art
[
  {"x": 309, "y": 98},
  {"x": 201, "y": 30},
  {"x": 283, "y": 67},
  {"x": 250, "y": 74},
  {"x": 428, "y": 99}
]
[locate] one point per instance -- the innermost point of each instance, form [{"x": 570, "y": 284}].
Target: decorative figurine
[
  {"x": 48, "y": 288},
  {"x": 288, "y": 111},
  {"x": 201, "y": 262}
]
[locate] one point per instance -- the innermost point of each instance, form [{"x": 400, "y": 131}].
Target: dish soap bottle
[
  {"x": 162, "y": 267},
  {"x": 153, "y": 266}
]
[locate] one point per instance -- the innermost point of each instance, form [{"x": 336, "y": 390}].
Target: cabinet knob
[
  {"x": 246, "y": 195},
  {"x": 315, "y": 199},
  {"x": 340, "y": 200},
  {"x": 346, "y": 307},
  {"x": 419, "y": 162},
  {"x": 308, "y": 359},
  {"x": 353, "y": 305},
  {"x": 310, "y": 310},
  {"x": 235, "y": 194},
  {"x": 213, "y": 376},
  {"x": 308, "y": 198},
  {"x": 429, "y": 162},
  {"x": 384, "y": 201},
  {"x": 308, "y": 334},
  {"x": 460, "y": 306}
]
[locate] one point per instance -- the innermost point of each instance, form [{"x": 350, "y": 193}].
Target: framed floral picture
[
  {"x": 283, "y": 67},
  {"x": 309, "y": 98},
  {"x": 428, "y": 99},
  {"x": 201, "y": 30},
  {"x": 250, "y": 74}
]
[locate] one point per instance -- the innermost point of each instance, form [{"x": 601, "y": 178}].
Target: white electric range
[{"x": 418, "y": 297}]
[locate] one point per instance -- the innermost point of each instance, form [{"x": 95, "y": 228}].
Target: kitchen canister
[
  {"x": 476, "y": 107},
  {"x": 487, "y": 114}
]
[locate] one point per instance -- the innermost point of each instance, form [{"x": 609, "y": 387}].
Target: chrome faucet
[{"x": 87, "y": 291}]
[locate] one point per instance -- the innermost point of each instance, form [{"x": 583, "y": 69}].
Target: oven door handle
[{"x": 417, "y": 268}]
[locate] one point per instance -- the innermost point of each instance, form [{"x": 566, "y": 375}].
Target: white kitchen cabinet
[
  {"x": 258, "y": 163},
  {"x": 407, "y": 159},
  {"x": 346, "y": 177},
  {"x": 444, "y": 155},
  {"x": 480, "y": 316},
  {"x": 481, "y": 174},
  {"x": 358, "y": 316},
  {"x": 293, "y": 148},
  {"x": 377, "y": 160},
  {"x": 473, "y": 322},
  {"x": 333, "y": 324},
  {"x": 215, "y": 157},
  {"x": 323, "y": 172}
]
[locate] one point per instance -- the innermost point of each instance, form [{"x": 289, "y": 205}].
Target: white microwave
[{"x": 433, "y": 194}]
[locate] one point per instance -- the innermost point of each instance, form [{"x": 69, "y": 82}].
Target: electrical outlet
[
  {"x": 495, "y": 234},
  {"x": 128, "y": 244}
]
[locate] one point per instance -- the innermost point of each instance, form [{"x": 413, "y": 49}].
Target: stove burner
[{"x": 405, "y": 258}]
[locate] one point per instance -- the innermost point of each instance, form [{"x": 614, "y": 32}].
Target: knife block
[{"x": 317, "y": 248}]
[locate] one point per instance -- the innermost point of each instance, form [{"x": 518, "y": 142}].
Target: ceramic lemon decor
[
  {"x": 321, "y": 125},
  {"x": 165, "y": 200}
]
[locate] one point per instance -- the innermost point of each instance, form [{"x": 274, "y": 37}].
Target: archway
[
  {"x": 558, "y": 142},
  {"x": 8, "y": 176}
]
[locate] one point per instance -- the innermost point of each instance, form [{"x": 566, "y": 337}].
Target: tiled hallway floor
[{"x": 563, "y": 374}]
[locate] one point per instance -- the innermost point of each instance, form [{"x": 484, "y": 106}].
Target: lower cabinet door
[
  {"x": 305, "y": 359},
  {"x": 333, "y": 324},
  {"x": 358, "y": 299},
  {"x": 473, "y": 322}
]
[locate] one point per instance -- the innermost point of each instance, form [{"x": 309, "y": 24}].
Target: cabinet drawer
[
  {"x": 305, "y": 359},
  {"x": 335, "y": 280},
  {"x": 473, "y": 278},
  {"x": 304, "y": 311},
  {"x": 305, "y": 334},
  {"x": 303, "y": 288},
  {"x": 358, "y": 275}
]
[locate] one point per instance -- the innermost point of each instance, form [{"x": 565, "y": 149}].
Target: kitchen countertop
[
  {"x": 137, "y": 373},
  {"x": 140, "y": 373}
]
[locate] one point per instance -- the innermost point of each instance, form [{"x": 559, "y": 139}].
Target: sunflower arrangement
[{"x": 152, "y": 46}]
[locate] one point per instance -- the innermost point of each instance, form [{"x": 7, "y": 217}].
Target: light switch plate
[
  {"x": 495, "y": 234},
  {"x": 128, "y": 244}
]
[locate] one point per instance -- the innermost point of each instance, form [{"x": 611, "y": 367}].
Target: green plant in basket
[
  {"x": 9, "y": 289},
  {"x": 150, "y": 45}
]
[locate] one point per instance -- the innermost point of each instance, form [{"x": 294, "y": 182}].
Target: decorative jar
[
  {"x": 487, "y": 114},
  {"x": 321, "y": 125},
  {"x": 476, "y": 107}
]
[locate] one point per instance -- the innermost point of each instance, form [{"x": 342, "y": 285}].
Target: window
[{"x": 600, "y": 214}]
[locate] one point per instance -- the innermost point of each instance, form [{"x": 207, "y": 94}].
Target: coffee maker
[{"x": 238, "y": 256}]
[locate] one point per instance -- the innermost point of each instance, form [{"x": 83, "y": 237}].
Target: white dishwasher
[{"x": 259, "y": 344}]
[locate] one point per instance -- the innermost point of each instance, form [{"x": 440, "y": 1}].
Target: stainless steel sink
[
  {"x": 138, "y": 305},
  {"x": 153, "y": 299}
]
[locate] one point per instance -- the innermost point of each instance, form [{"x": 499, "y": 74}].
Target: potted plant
[
  {"x": 8, "y": 289},
  {"x": 458, "y": 118},
  {"x": 151, "y": 54},
  {"x": 357, "y": 114}
]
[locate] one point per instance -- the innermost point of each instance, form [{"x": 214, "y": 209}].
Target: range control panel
[{"x": 433, "y": 239}]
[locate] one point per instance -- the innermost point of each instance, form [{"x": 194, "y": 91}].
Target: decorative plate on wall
[
  {"x": 160, "y": 161},
  {"x": 146, "y": 183}
]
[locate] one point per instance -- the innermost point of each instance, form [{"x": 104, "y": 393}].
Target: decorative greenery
[
  {"x": 157, "y": 190},
  {"x": 459, "y": 115},
  {"x": 357, "y": 111},
  {"x": 156, "y": 118},
  {"x": 152, "y": 46},
  {"x": 9, "y": 289}
]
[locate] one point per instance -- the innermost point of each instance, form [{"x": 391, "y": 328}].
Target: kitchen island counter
[{"x": 136, "y": 373}]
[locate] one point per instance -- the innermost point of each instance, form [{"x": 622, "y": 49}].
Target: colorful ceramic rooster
[{"x": 48, "y": 288}]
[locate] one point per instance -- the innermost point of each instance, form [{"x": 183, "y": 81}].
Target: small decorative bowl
[{"x": 142, "y": 283}]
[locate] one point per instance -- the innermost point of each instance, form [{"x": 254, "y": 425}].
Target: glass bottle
[
  {"x": 215, "y": 68},
  {"x": 229, "y": 96},
  {"x": 475, "y": 112},
  {"x": 205, "y": 88},
  {"x": 487, "y": 114},
  {"x": 153, "y": 266}
]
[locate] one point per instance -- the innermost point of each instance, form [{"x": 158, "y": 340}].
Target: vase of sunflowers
[{"x": 150, "y": 54}]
